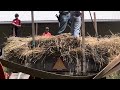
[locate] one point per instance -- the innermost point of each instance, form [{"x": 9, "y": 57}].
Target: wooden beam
[
  {"x": 33, "y": 28},
  {"x": 95, "y": 25},
  {"x": 115, "y": 69},
  {"x": 36, "y": 29},
  {"x": 83, "y": 62},
  {"x": 111, "y": 66}
]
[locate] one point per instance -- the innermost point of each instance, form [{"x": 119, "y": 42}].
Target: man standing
[
  {"x": 16, "y": 25},
  {"x": 75, "y": 23},
  {"x": 64, "y": 19}
]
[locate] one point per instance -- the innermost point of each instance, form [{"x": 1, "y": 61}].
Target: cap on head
[{"x": 16, "y": 15}]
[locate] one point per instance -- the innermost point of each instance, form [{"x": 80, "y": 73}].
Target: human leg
[
  {"x": 63, "y": 23},
  {"x": 75, "y": 26},
  {"x": 16, "y": 31}
]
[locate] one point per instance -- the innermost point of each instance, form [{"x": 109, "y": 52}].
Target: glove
[{"x": 58, "y": 17}]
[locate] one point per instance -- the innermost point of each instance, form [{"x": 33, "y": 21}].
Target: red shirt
[
  {"x": 47, "y": 34},
  {"x": 16, "y": 21},
  {"x": 2, "y": 76}
]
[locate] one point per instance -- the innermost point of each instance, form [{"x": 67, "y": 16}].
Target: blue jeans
[
  {"x": 75, "y": 26},
  {"x": 64, "y": 21}
]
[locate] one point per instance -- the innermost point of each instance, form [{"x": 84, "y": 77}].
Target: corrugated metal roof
[{"x": 49, "y": 16}]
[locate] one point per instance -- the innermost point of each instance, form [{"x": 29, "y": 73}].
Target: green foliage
[{"x": 115, "y": 75}]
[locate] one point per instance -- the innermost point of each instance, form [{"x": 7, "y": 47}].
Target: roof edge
[{"x": 56, "y": 21}]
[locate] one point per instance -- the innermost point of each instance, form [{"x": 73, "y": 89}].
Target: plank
[
  {"x": 115, "y": 69},
  {"x": 109, "y": 67}
]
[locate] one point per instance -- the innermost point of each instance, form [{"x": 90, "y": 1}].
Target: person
[
  {"x": 47, "y": 33},
  {"x": 64, "y": 20},
  {"x": 16, "y": 25},
  {"x": 75, "y": 23},
  {"x": 2, "y": 75}
]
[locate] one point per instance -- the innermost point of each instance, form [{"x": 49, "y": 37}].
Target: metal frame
[{"x": 40, "y": 73}]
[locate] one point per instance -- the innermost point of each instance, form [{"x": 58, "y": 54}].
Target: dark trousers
[
  {"x": 64, "y": 21},
  {"x": 16, "y": 32}
]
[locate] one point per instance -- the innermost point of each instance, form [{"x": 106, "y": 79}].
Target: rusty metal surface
[{"x": 40, "y": 73}]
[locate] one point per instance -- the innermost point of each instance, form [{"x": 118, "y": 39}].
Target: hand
[{"x": 18, "y": 25}]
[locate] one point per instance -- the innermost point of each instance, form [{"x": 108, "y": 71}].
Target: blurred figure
[
  {"x": 2, "y": 75},
  {"x": 64, "y": 19},
  {"x": 16, "y": 25},
  {"x": 47, "y": 33},
  {"x": 75, "y": 23}
]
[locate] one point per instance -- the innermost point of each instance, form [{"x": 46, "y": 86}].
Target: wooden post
[
  {"x": 33, "y": 28},
  {"x": 14, "y": 32},
  {"x": 36, "y": 29},
  {"x": 95, "y": 25},
  {"x": 83, "y": 62}
]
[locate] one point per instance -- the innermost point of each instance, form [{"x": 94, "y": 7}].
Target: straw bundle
[{"x": 98, "y": 52}]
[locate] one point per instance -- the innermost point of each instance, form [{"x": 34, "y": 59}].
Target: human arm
[{"x": 16, "y": 23}]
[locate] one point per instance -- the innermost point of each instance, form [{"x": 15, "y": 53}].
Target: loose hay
[{"x": 98, "y": 52}]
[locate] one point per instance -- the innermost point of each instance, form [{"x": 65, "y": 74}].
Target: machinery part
[{"x": 40, "y": 73}]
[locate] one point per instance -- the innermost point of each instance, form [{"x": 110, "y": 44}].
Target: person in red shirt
[
  {"x": 2, "y": 75},
  {"x": 16, "y": 25},
  {"x": 47, "y": 33}
]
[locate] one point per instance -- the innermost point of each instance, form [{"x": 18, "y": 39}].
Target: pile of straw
[{"x": 98, "y": 52}]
